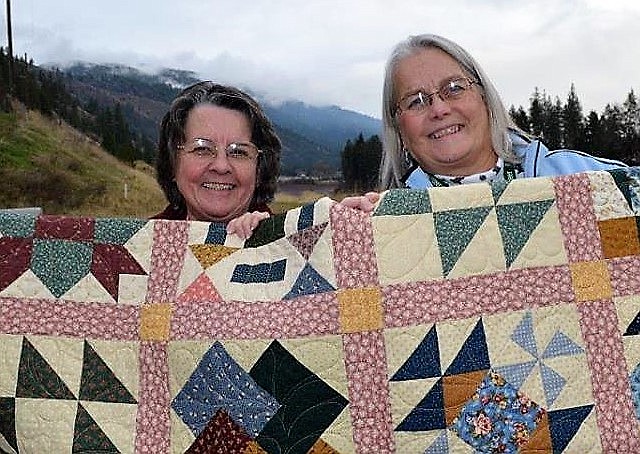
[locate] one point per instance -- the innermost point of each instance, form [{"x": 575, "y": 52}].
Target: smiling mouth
[
  {"x": 218, "y": 186},
  {"x": 445, "y": 132}
]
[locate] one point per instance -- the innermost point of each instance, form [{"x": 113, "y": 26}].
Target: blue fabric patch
[
  {"x": 428, "y": 414},
  {"x": 261, "y": 273},
  {"x": 499, "y": 418},
  {"x": 564, "y": 424},
  {"x": 634, "y": 380},
  {"x": 305, "y": 219},
  {"x": 309, "y": 282},
  {"x": 474, "y": 354},
  {"x": 220, "y": 383},
  {"x": 424, "y": 362},
  {"x": 217, "y": 233}
]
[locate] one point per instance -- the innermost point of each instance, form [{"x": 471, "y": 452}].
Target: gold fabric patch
[
  {"x": 591, "y": 281},
  {"x": 619, "y": 237},
  {"x": 155, "y": 322},
  {"x": 360, "y": 309}
]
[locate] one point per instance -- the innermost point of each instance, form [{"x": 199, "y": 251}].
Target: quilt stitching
[{"x": 548, "y": 326}]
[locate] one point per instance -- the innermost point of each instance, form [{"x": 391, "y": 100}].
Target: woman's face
[
  {"x": 215, "y": 189},
  {"x": 450, "y": 137}
]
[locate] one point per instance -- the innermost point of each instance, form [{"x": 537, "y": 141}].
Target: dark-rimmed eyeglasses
[
  {"x": 417, "y": 102},
  {"x": 235, "y": 151}
]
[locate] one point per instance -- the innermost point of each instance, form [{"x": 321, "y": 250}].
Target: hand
[
  {"x": 364, "y": 203},
  {"x": 244, "y": 225}
]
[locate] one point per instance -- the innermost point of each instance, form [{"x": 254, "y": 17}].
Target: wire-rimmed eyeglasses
[
  {"x": 235, "y": 151},
  {"x": 417, "y": 102}
]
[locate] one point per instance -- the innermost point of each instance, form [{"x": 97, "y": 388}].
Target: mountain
[{"x": 312, "y": 137}]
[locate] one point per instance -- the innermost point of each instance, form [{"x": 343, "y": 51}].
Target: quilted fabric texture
[{"x": 484, "y": 318}]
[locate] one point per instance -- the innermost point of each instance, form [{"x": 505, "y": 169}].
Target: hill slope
[
  {"x": 48, "y": 164},
  {"x": 312, "y": 137}
]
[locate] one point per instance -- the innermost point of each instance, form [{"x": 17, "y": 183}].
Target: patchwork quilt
[{"x": 482, "y": 318}]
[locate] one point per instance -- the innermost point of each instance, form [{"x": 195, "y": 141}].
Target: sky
[{"x": 327, "y": 52}]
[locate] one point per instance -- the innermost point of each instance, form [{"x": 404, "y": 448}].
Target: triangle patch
[
  {"x": 516, "y": 374},
  {"x": 210, "y": 254},
  {"x": 454, "y": 231},
  {"x": 88, "y": 436},
  {"x": 441, "y": 444},
  {"x": 634, "y": 327},
  {"x": 540, "y": 440},
  {"x": 474, "y": 354},
  {"x": 8, "y": 423},
  {"x": 517, "y": 221},
  {"x": 424, "y": 362},
  {"x": 561, "y": 345},
  {"x": 309, "y": 282},
  {"x": 552, "y": 382},
  {"x": 98, "y": 383},
  {"x": 201, "y": 289},
  {"x": 305, "y": 240},
  {"x": 564, "y": 424},
  {"x": 524, "y": 336},
  {"x": 37, "y": 379},
  {"x": 429, "y": 414}
]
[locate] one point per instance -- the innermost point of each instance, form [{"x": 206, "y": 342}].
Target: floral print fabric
[{"x": 498, "y": 418}]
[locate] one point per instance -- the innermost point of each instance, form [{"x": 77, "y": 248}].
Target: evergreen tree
[
  {"x": 536, "y": 114},
  {"x": 552, "y": 126},
  {"x": 574, "y": 130},
  {"x": 630, "y": 130},
  {"x": 520, "y": 118}
]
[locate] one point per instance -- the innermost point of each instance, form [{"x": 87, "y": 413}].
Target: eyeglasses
[
  {"x": 416, "y": 103},
  {"x": 235, "y": 151}
]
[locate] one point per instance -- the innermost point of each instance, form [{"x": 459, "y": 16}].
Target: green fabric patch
[
  {"x": 309, "y": 405},
  {"x": 498, "y": 188},
  {"x": 404, "y": 201},
  {"x": 37, "y": 379},
  {"x": 60, "y": 264},
  {"x": 454, "y": 231},
  {"x": 17, "y": 225},
  {"x": 517, "y": 222},
  {"x": 117, "y": 231},
  {"x": 98, "y": 383},
  {"x": 88, "y": 437},
  {"x": 268, "y": 230}
]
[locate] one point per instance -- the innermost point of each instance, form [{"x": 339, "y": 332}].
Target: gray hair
[{"x": 394, "y": 164}]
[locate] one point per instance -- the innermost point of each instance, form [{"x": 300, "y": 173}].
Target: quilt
[{"x": 485, "y": 318}]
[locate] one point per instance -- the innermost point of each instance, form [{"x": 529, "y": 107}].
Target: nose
[
  {"x": 439, "y": 107},
  {"x": 220, "y": 163}
]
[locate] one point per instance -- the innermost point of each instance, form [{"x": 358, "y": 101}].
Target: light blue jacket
[{"x": 537, "y": 161}]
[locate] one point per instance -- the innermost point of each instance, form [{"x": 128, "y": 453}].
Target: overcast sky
[{"x": 333, "y": 52}]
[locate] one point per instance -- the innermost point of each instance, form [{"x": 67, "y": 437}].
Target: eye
[
  {"x": 203, "y": 150},
  {"x": 454, "y": 88},
  {"x": 416, "y": 101},
  {"x": 240, "y": 151}
]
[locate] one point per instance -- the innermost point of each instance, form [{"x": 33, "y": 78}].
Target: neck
[{"x": 455, "y": 170}]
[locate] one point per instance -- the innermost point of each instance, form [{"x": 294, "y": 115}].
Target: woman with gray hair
[
  {"x": 218, "y": 158},
  {"x": 444, "y": 124}
]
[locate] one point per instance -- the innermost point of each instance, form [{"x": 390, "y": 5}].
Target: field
[{"x": 292, "y": 194}]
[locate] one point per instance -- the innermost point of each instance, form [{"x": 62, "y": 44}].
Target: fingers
[
  {"x": 364, "y": 203},
  {"x": 244, "y": 225}
]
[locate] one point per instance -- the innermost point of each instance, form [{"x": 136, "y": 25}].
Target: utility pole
[{"x": 10, "y": 38}]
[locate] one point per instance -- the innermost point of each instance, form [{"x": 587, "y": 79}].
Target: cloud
[{"x": 334, "y": 51}]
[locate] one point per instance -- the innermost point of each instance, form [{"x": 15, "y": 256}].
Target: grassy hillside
[{"x": 47, "y": 164}]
